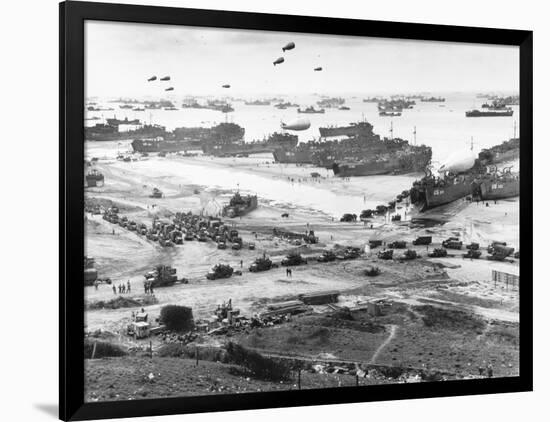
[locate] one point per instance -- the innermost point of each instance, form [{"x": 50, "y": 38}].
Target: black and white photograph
[{"x": 276, "y": 211}]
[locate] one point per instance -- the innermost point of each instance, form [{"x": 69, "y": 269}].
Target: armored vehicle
[
  {"x": 422, "y": 240},
  {"x": 372, "y": 271},
  {"x": 326, "y": 256},
  {"x": 261, "y": 264},
  {"x": 473, "y": 254},
  {"x": 161, "y": 275},
  {"x": 386, "y": 254},
  {"x": 293, "y": 259},
  {"x": 398, "y": 244},
  {"x": 220, "y": 271},
  {"x": 438, "y": 253},
  {"x": 452, "y": 243}
]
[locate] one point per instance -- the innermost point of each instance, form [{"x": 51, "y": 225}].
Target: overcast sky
[{"x": 121, "y": 56}]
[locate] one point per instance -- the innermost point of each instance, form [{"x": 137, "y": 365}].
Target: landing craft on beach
[
  {"x": 169, "y": 89},
  {"x": 226, "y": 86},
  {"x": 298, "y": 124},
  {"x": 289, "y": 46},
  {"x": 166, "y": 78},
  {"x": 152, "y": 78},
  {"x": 278, "y": 61},
  {"x": 317, "y": 69}
]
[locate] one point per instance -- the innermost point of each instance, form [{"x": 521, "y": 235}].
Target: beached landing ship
[
  {"x": 274, "y": 142},
  {"x": 431, "y": 191},
  {"x": 410, "y": 159},
  {"x": 184, "y": 139},
  {"x": 496, "y": 186},
  {"x": 106, "y": 132},
  {"x": 240, "y": 205}
]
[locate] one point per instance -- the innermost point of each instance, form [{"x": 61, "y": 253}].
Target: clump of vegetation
[
  {"x": 450, "y": 319},
  {"x": 180, "y": 350},
  {"x": 123, "y": 302},
  {"x": 177, "y": 318},
  {"x": 259, "y": 366},
  {"x": 322, "y": 335},
  {"x": 505, "y": 334},
  {"x": 103, "y": 349}
]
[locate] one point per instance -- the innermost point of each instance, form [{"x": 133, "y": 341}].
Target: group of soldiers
[
  {"x": 122, "y": 288},
  {"x": 148, "y": 287}
]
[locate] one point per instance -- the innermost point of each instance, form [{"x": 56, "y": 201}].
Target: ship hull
[
  {"x": 119, "y": 136},
  {"x": 140, "y": 145},
  {"x": 490, "y": 113},
  {"x": 437, "y": 196},
  {"x": 491, "y": 190},
  {"x": 397, "y": 165},
  {"x": 289, "y": 156}
]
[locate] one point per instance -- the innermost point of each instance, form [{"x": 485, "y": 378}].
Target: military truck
[
  {"x": 396, "y": 217},
  {"x": 408, "y": 255},
  {"x": 349, "y": 253},
  {"x": 220, "y": 271},
  {"x": 157, "y": 193},
  {"x": 422, "y": 240},
  {"x": 326, "y": 256},
  {"x": 397, "y": 244},
  {"x": 374, "y": 243},
  {"x": 472, "y": 254},
  {"x": 162, "y": 275},
  {"x": 371, "y": 271},
  {"x": 311, "y": 238},
  {"x": 438, "y": 253},
  {"x": 139, "y": 328},
  {"x": 293, "y": 259},
  {"x": 385, "y": 254},
  {"x": 498, "y": 251},
  {"x": 452, "y": 243},
  {"x": 261, "y": 264},
  {"x": 90, "y": 273}
]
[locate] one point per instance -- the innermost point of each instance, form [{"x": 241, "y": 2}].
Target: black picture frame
[{"x": 72, "y": 16}]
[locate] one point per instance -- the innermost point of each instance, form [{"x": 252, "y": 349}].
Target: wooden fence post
[
  {"x": 196, "y": 356},
  {"x": 299, "y": 379},
  {"x": 93, "y": 350}
]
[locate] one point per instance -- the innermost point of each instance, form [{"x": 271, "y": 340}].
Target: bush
[
  {"x": 260, "y": 366},
  {"x": 103, "y": 349},
  {"x": 177, "y": 318},
  {"x": 179, "y": 350}
]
